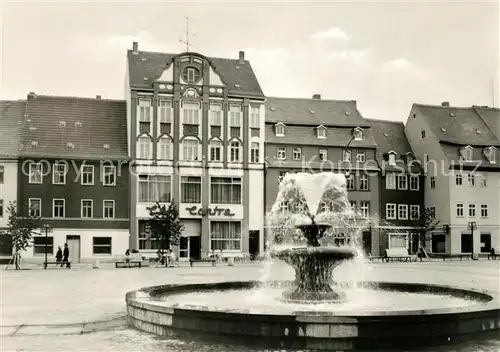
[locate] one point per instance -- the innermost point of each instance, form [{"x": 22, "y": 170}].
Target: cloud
[
  {"x": 351, "y": 56},
  {"x": 335, "y": 34}
]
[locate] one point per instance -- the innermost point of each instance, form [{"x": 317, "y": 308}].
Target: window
[
  {"x": 484, "y": 210},
  {"x": 235, "y": 116},
  {"x": 358, "y": 134},
  {"x": 108, "y": 209},
  {"x": 145, "y": 239},
  {"x": 190, "y": 113},
  {"x": 364, "y": 184},
  {"x": 39, "y": 245},
  {"x": 414, "y": 212},
  {"x": 483, "y": 180},
  {"x": 58, "y": 208},
  {"x": 460, "y": 210},
  {"x": 422, "y": 134},
  {"x": 35, "y": 207},
  {"x": 191, "y": 74},
  {"x": 472, "y": 210},
  {"x": 1, "y": 208},
  {"x": 321, "y": 132},
  {"x": 2, "y": 174},
  {"x": 6, "y": 245},
  {"x": 402, "y": 212},
  {"x": 491, "y": 154},
  {"x": 101, "y": 245},
  {"x": 190, "y": 149},
  {"x": 351, "y": 182},
  {"x": 225, "y": 190},
  {"x": 466, "y": 153},
  {"x": 154, "y": 188},
  {"x": 87, "y": 208},
  {"x": 216, "y": 114},
  {"x": 109, "y": 175},
  {"x": 323, "y": 155},
  {"x": 365, "y": 209},
  {"x": 402, "y": 182},
  {"x": 398, "y": 240},
  {"x": 87, "y": 176},
  {"x": 254, "y": 152},
  {"x": 254, "y": 117},
  {"x": 282, "y": 174},
  {"x": 458, "y": 179},
  {"x": 59, "y": 174},
  {"x": 145, "y": 116},
  {"x": 225, "y": 235},
  {"x": 165, "y": 148},
  {"x": 432, "y": 211},
  {"x": 347, "y": 156},
  {"x": 390, "y": 181},
  {"x": 471, "y": 179},
  {"x": 215, "y": 150},
  {"x": 392, "y": 158},
  {"x": 144, "y": 149},
  {"x": 433, "y": 182},
  {"x": 279, "y": 130},
  {"x": 281, "y": 153},
  {"x": 234, "y": 152},
  {"x": 36, "y": 173},
  {"x": 165, "y": 111},
  {"x": 190, "y": 189},
  {"x": 390, "y": 211},
  {"x": 360, "y": 157},
  {"x": 414, "y": 183},
  {"x": 353, "y": 205},
  {"x": 297, "y": 154}
]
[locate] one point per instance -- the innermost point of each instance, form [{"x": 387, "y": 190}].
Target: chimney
[
  {"x": 242, "y": 57},
  {"x": 317, "y": 96},
  {"x": 31, "y": 95},
  {"x": 98, "y": 97},
  {"x": 445, "y": 103},
  {"x": 135, "y": 48}
]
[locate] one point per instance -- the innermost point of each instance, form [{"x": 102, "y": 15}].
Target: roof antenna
[{"x": 186, "y": 41}]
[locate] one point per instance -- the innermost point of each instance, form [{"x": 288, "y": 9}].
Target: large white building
[
  {"x": 458, "y": 148},
  {"x": 196, "y": 137}
]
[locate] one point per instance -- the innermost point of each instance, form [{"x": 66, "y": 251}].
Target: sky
[{"x": 384, "y": 55}]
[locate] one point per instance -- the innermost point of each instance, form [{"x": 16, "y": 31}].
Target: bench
[
  {"x": 205, "y": 260},
  {"x": 376, "y": 259},
  {"x": 400, "y": 254},
  {"x": 451, "y": 256},
  {"x": 129, "y": 264},
  {"x": 57, "y": 264},
  {"x": 495, "y": 253}
]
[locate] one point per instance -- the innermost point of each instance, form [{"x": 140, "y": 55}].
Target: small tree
[
  {"x": 165, "y": 223},
  {"x": 21, "y": 225},
  {"x": 427, "y": 224}
]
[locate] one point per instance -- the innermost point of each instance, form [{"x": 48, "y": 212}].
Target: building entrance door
[
  {"x": 184, "y": 248},
  {"x": 195, "y": 247},
  {"x": 466, "y": 243},
  {"x": 74, "y": 248}
]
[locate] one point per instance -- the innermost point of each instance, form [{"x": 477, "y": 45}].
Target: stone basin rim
[{"x": 486, "y": 300}]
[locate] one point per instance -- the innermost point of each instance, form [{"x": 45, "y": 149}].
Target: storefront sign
[{"x": 216, "y": 211}]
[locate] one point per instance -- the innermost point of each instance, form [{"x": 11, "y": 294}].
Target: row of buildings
[{"x": 200, "y": 131}]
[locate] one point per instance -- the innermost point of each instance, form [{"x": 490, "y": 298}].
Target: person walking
[
  {"x": 65, "y": 255},
  {"x": 59, "y": 255}
]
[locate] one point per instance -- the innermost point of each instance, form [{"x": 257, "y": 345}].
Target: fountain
[{"x": 313, "y": 311}]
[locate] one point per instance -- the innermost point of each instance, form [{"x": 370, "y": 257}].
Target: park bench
[
  {"x": 375, "y": 259},
  {"x": 400, "y": 254},
  {"x": 495, "y": 253},
  {"x": 128, "y": 264},
  {"x": 57, "y": 264},
  {"x": 451, "y": 256},
  {"x": 204, "y": 260}
]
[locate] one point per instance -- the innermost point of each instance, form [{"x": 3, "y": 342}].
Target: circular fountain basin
[{"x": 376, "y": 315}]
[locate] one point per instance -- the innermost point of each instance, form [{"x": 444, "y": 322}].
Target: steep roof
[
  {"x": 89, "y": 124},
  {"x": 314, "y": 112},
  {"x": 239, "y": 76},
  {"x": 491, "y": 116},
  {"x": 390, "y": 136},
  {"x": 11, "y": 113},
  {"x": 462, "y": 126}
]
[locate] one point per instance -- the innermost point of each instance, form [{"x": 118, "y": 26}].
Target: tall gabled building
[
  {"x": 73, "y": 172},
  {"x": 458, "y": 150},
  {"x": 402, "y": 183},
  {"x": 318, "y": 135},
  {"x": 196, "y": 132},
  {"x": 11, "y": 114}
]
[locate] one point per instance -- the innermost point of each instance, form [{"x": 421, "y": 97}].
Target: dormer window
[
  {"x": 491, "y": 154},
  {"x": 279, "y": 129},
  {"x": 358, "y": 134},
  {"x": 466, "y": 153},
  {"x": 391, "y": 157},
  {"x": 321, "y": 132}
]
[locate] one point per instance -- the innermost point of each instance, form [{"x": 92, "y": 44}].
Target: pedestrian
[
  {"x": 65, "y": 255},
  {"x": 59, "y": 255}
]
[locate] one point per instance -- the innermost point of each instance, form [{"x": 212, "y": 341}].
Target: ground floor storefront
[
  {"x": 460, "y": 240},
  {"x": 400, "y": 237}
]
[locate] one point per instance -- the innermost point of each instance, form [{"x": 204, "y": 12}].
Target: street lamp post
[
  {"x": 471, "y": 226},
  {"x": 47, "y": 229}
]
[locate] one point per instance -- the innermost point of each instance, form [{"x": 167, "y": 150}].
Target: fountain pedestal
[{"x": 313, "y": 267}]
